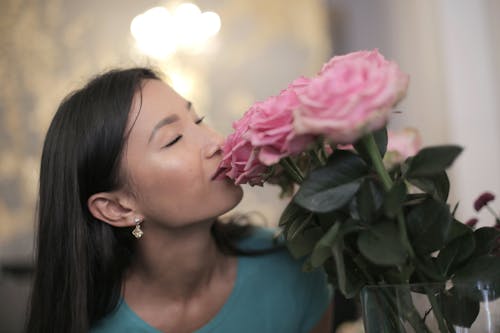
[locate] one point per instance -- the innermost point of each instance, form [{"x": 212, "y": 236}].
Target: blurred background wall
[{"x": 450, "y": 48}]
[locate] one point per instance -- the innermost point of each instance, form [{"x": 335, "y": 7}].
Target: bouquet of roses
[{"x": 366, "y": 215}]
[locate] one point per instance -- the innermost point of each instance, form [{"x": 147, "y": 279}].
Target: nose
[
  {"x": 213, "y": 144},
  {"x": 213, "y": 150}
]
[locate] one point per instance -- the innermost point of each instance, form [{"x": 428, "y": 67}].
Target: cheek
[
  {"x": 168, "y": 189},
  {"x": 168, "y": 181},
  {"x": 177, "y": 191}
]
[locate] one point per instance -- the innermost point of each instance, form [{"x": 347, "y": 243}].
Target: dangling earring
[{"x": 137, "y": 232}]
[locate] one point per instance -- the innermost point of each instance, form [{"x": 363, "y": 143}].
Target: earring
[{"x": 137, "y": 232}]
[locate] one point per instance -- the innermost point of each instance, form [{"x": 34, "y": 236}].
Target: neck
[{"x": 176, "y": 264}]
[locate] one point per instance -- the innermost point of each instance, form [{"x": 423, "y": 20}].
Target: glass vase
[{"x": 431, "y": 308}]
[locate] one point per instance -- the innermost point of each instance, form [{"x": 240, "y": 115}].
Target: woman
[{"x": 128, "y": 232}]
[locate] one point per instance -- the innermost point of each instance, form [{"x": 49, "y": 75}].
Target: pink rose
[
  {"x": 374, "y": 56},
  {"x": 406, "y": 142},
  {"x": 271, "y": 127},
  {"x": 263, "y": 136},
  {"x": 345, "y": 147},
  {"x": 240, "y": 161},
  {"x": 401, "y": 145},
  {"x": 352, "y": 95}
]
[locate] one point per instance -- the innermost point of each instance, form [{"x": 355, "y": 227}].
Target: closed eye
[
  {"x": 173, "y": 141},
  {"x": 199, "y": 121}
]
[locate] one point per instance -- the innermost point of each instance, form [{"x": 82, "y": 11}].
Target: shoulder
[
  {"x": 259, "y": 238},
  {"x": 278, "y": 281},
  {"x": 278, "y": 262}
]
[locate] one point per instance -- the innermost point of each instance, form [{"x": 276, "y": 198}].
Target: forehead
[
  {"x": 156, "y": 98},
  {"x": 154, "y": 101}
]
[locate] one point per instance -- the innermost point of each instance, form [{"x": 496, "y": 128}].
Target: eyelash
[
  {"x": 173, "y": 142},
  {"x": 197, "y": 122}
]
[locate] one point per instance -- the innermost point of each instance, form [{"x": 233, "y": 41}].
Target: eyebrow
[{"x": 168, "y": 120}]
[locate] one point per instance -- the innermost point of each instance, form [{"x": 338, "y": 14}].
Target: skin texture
[{"x": 178, "y": 279}]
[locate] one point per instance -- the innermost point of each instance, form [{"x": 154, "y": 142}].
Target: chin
[
  {"x": 226, "y": 195},
  {"x": 235, "y": 195}
]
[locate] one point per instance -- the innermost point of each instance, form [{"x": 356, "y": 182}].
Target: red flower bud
[
  {"x": 471, "y": 222},
  {"x": 483, "y": 200}
]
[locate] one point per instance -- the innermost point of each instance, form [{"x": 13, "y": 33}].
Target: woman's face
[{"x": 170, "y": 158}]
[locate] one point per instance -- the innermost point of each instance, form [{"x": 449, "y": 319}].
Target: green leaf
[
  {"x": 486, "y": 240},
  {"x": 380, "y": 137},
  {"x": 457, "y": 229},
  {"x": 460, "y": 245},
  {"x": 454, "y": 210},
  {"x": 292, "y": 212},
  {"x": 351, "y": 226},
  {"x": 428, "y": 226},
  {"x": 456, "y": 252},
  {"x": 368, "y": 201},
  {"x": 479, "y": 278},
  {"x": 293, "y": 220},
  {"x": 323, "y": 249},
  {"x": 441, "y": 185},
  {"x": 338, "y": 255},
  {"x": 432, "y": 160},
  {"x": 394, "y": 199},
  {"x": 381, "y": 245},
  {"x": 297, "y": 226},
  {"x": 305, "y": 242},
  {"x": 415, "y": 199},
  {"x": 332, "y": 186},
  {"x": 458, "y": 309},
  {"x": 326, "y": 220},
  {"x": 331, "y": 271},
  {"x": 428, "y": 267},
  {"x": 395, "y": 276},
  {"x": 354, "y": 282},
  {"x": 348, "y": 281},
  {"x": 437, "y": 185}
]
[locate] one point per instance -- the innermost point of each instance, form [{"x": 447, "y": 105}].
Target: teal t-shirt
[{"x": 271, "y": 295}]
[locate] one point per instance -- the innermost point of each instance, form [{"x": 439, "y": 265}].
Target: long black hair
[{"x": 80, "y": 261}]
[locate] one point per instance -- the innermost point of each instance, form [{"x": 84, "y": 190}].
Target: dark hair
[{"x": 80, "y": 261}]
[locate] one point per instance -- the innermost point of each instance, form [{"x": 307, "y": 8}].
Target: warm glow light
[
  {"x": 186, "y": 17},
  {"x": 152, "y": 31},
  {"x": 187, "y": 11},
  {"x": 210, "y": 23},
  {"x": 159, "y": 33},
  {"x": 183, "y": 84}
]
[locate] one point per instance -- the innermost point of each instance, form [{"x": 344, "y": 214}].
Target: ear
[{"x": 112, "y": 208}]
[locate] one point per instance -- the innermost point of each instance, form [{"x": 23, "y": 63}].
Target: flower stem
[
  {"x": 437, "y": 310},
  {"x": 443, "y": 328},
  {"x": 404, "y": 234},
  {"x": 393, "y": 316},
  {"x": 292, "y": 169},
  {"x": 371, "y": 146},
  {"x": 316, "y": 154},
  {"x": 495, "y": 215},
  {"x": 409, "y": 312}
]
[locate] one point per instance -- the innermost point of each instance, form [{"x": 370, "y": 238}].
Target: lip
[{"x": 217, "y": 173}]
